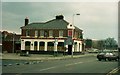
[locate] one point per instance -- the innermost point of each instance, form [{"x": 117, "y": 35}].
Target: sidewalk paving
[{"x": 40, "y": 56}]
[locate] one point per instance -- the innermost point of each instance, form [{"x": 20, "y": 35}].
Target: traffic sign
[{"x": 68, "y": 41}]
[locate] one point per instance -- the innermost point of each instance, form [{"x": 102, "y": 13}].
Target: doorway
[{"x": 69, "y": 49}]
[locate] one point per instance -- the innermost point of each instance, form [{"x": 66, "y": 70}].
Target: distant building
[
  {"x": 54, "y": 35},
  {"x": 10, "y": 42}
]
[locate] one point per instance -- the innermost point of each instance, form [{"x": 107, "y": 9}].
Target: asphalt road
[{"x": 78, "y": 65}]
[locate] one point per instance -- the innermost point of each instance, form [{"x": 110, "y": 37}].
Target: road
[{"x": 87, "y": 64}]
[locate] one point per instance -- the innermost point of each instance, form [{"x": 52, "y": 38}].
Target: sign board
[
  {"x": 68, "y": 41},
  {"x": 56, "y": 42}
]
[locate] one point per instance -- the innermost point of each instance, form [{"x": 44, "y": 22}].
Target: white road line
[
  {"x": 47, "y": 68},
  {"x": 73, "y": 63},
  {"x": 59, "y": 66}
]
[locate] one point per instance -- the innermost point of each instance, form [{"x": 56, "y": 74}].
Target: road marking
[
  {"x": 59, "y": 66},
  {"x": 56, "y": 66},
  {"x": 48, "y": 68},
  {"x": 73, "y": 63},
  {"x": 113, "y": 71}
]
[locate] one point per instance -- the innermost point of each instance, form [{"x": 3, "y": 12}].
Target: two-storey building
[{"x": 51, "y": 36}]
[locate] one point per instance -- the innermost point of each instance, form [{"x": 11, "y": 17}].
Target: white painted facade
[{"x": 75, "y": 48}]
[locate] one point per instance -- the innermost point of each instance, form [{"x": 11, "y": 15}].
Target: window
[
  {"x": 60, "y": 43},
  {"x": 35, "y": 43},
  {"x": 42, "y": 33},
  {"x": 27, "y": 33},
  {"x": 36, "y": 33},
  {"x": 46, "y": 33},
  {"x": 50, "y": 33},
  {"x": 60, "y": 33},
  {"x": 50, "y": 44},
  {"x": 41, "y": 43},
  {"x": 27, "y": 43},
  {"x": 69, "y": 32}
]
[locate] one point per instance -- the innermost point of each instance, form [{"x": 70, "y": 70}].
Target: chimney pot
[
  {"x": 26, "y": 21},
  {"x": 59, "y": 17}
]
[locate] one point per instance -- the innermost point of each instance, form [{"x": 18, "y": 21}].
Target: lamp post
[
  {"x": 73, "y": 18},
  {"x": 55, "y": 47},
  {"x": 73, "y": 32}
]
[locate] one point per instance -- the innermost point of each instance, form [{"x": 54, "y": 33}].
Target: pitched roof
[
  {"x": 52, "y": 24},
  {"x": 58, "y": 23}
]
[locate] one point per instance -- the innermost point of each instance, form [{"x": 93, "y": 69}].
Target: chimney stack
[
  {"x": 58, "y": 17},
  {"x": 26, "y": 21}
]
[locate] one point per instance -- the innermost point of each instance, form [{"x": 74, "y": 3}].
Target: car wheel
[
  {"x": 105, "y": 59},
  {"x": 99, "y": 59},
  {"x": 109, "y": 59},
  {"x": 115, "y": 59}
]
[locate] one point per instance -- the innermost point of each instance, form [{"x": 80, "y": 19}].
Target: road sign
[
  {"x": 68, "y": 41},
  {"x": 56, "y": 41}
]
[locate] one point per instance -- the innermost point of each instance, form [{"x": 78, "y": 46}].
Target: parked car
[{"x": 107, "y": 56}]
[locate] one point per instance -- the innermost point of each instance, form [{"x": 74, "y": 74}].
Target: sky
[{"x": 97, "y": 19}]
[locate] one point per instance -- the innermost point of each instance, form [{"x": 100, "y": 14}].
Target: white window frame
[
  {"x": 36, "y": 33},
  {"x": 27, "y": 33},
  {"x": 41, "y": 33},
  {"x": 50, "y": 33},
  {"x": 60, "y": 33}
]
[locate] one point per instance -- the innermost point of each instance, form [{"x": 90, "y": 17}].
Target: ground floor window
[
  {"x": 41, "y": 46},
  {"x": 35, "y": 45},
  {"x": 27, "y": 45},
  {"x": 60, "y": 46},
  {"x": 50, "y": 46},
  {"x": 75, "y": 46}
]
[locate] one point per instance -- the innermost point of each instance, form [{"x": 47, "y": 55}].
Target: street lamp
[
  {"x": 73, "y": 18},
  {"x": 73, "y": 30}
]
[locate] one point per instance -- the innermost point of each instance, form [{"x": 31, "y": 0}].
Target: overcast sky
[{"x": 98, "y": 20}]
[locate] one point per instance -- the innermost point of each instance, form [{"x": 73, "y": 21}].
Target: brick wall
[{"x": 55, "y": 32}]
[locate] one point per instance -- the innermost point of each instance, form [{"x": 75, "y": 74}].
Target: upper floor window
[
  {"x": 27, "y": 33},
  {"x": 42, "y": 33},
  {"x": 46, "y": 33},
  {"x": 60, "y": 33},
  {"x": 36, "y": 33},
  {"x": 70, "y": 33},
  {"x": 50, "y": 33}
]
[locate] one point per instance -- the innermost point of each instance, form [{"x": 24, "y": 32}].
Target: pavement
[{"x": 40, "y": 56}]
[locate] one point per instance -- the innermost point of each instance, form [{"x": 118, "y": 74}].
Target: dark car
[{"x": 107, "y": 56}]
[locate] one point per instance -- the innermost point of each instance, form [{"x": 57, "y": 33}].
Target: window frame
[
  {"x": 27, "y": 33},
  {"x": 41, "y": 33},
  {"x": 36, "y": 33},
  {"x": 60, "y": 33},
  {"x": 50, "y": 33}
]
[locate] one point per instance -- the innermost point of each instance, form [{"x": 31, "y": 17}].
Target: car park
[{"x": 107, "y": 56}]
